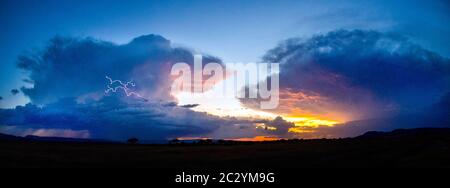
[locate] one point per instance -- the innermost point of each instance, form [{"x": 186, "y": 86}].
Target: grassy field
[{"x": 417, "y": 149}]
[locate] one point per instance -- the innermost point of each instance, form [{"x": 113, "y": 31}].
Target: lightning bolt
[{"x": 122, "y": 86}]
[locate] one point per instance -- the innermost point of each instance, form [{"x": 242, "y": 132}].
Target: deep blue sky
[{"x": 232, "y": 30}]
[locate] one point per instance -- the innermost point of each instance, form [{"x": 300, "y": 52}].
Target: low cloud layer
[{"x": 112, "y": 118}]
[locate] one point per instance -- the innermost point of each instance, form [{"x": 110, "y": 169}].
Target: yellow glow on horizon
[
  {"x": 256, "y": 139},
  {"x": 300, "y": 130},
  {"x": 310, "y": 121}
]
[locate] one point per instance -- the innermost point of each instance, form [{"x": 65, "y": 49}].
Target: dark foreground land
[{"x": 400, "y": 148}]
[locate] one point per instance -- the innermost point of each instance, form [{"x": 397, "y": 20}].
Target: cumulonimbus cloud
[
  {"x": 357, "y": 75},
  {"x": 76, "y": 67},
  {"x": 68, "y": 90},
  {"x": 366, "y": 79}
]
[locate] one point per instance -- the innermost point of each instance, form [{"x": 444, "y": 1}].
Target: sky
[{"x": 403, "y": 38}]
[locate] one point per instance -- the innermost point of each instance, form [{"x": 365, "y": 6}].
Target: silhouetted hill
[
  {"x": 10, "y": 137},
  {"x": 395, "y": 134},
  {"x": 404, "y": 133},
  {"x": 425, "y": 147},
  {"x": 62, "y": 139},
  {"x": 7, "y": 137}
]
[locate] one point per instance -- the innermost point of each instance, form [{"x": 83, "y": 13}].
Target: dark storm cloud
[
  {"x": 15, "y": 91},
  {"x": 174, "y": 104},
  {"x": 189, "y": 105},
  {"x": 373, "y": 80},
  {"x": 76, "y": 67},
  {"x": 112, "y": 118},
  {"x": 68, "y": 92},
  {"x": 281, "y": 127},
  {"x": 366, "y": 73},
  {"x": 68, "y": 96}
]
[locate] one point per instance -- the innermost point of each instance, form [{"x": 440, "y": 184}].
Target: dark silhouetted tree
[
  {"x": 132, "y": 141},
  {"x": 174, "y": 141}
]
